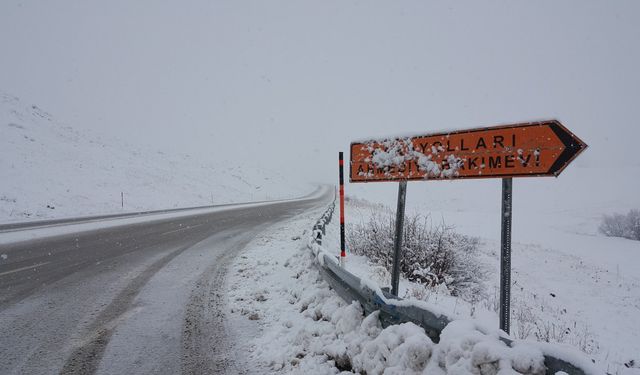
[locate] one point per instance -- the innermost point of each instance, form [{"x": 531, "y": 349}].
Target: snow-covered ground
[
  {"x": 288, "y": 320},
  {"x": 570, "y": 284},
  {"x": 51, "y": 170}
]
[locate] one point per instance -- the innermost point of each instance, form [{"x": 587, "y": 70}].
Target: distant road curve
[
  {"x": 134, "y": 293},
  {"x": 92, "y": 218}
]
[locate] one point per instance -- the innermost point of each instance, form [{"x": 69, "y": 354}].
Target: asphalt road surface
[{"x": 137, "y": 299}]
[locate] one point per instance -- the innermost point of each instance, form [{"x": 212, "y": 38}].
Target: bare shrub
[
  {"x": 524, "y": 319},
  {"x": 619, "y": 225},
  {"x": 549, "y": 331},
  {"x": 545, "y": 322},
  {"x": 432, "y": 255}
]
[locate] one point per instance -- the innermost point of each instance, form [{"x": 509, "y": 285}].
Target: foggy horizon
[{"x": 279, "y": 84}]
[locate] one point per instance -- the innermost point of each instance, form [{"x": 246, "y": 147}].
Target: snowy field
[{"x": 50, "y": 170}]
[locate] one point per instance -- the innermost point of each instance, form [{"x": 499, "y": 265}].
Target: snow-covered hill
[{"x": 50, "y": 170}]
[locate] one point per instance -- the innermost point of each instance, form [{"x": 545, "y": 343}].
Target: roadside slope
[{"x": 51, "y": 170}]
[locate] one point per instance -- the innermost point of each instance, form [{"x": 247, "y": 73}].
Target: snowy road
[{"x": 136, "y": 298}]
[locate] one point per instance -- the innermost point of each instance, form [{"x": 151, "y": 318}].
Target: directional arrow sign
[{"x": 520, "y": 150}]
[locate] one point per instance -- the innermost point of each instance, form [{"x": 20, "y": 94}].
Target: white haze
[{"x": 290, "y": 83}]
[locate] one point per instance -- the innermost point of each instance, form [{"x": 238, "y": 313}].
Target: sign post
[
  {"x": 505, "y": 255},
  {"x": 533, "y": 149},
  {"x": 397, "y": 243}
]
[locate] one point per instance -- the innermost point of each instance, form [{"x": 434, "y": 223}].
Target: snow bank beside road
[
  {"x": 569, "y": 300},
  {"x": 290, "y": 321}
]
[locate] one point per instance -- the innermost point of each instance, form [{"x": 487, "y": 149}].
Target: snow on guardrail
[{"x": 462, "y": 344}]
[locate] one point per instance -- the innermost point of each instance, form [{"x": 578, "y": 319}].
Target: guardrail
[{"x": 394, "y": 310}]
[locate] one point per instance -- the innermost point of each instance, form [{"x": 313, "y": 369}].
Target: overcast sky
[{"x": 289, "y": 83}]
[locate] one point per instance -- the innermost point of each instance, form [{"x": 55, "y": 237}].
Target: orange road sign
[{"x": 520, "y": 150}]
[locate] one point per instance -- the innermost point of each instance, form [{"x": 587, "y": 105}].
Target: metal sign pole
[
  {"x": 397, "y": 245},
  {"x": 505, "y": 255}
]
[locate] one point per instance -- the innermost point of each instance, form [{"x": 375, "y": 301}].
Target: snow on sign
[{"x": 530, "y": 149}]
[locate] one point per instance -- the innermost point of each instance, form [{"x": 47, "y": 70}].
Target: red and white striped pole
[{"x": 343, "y": 253}]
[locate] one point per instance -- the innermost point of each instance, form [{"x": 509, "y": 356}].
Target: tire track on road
[
  {"x": 206, "y": 346},
  {"x": 85, "y": 359}
]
